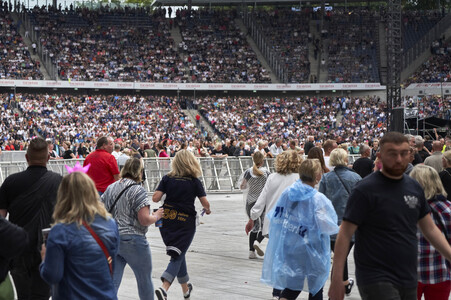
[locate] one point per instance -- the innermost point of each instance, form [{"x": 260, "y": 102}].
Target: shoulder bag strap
[
  {"x": 341, "y": 180},
  {"x": 119, "y": 196},
  {"x": 102, "y": 245}
]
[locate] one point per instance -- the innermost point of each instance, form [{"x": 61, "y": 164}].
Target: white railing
[{"x": 218, "y": 174}]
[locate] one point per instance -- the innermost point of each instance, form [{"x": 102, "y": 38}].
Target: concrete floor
[{"x": 217, "y": 260}]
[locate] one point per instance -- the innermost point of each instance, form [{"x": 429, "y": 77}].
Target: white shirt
[
  {"x": 116, "y": 154},
  {"x": 326, "y": 161},
  {"x": 275, "y": 150},
  {"x": 274, "y": 187}
]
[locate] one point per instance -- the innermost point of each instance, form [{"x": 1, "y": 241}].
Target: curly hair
[{"x": 288, "y": 162}]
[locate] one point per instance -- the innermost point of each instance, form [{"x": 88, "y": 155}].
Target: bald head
[{"x": 436, "y": 146}]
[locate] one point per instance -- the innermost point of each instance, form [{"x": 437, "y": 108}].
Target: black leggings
[
  {"x": 345, "y": 269},
  {"x": 255, "y": 236},
  {"x": 292, "y": 295}
]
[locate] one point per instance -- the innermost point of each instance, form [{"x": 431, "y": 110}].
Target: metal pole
[{"x": 418, "y": 114}]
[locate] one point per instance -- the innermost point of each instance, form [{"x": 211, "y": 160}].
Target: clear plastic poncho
[{"x": 298, "y": 252}]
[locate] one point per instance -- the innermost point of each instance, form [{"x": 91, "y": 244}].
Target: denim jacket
[
  {"x": 331, "y": 186},
  {"x": 75, "y": 265}
]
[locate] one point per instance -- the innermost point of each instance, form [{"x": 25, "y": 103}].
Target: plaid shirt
[{"x": 432, "y": 267}]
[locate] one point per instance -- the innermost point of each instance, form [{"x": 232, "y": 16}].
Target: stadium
[
  {"x": 222, "y": 79},
  {"x": 261, "y": 70}
]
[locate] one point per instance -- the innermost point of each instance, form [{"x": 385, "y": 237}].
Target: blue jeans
[
  {"x": 176, "y": 268},
  {"x": 134, "y": 250}
]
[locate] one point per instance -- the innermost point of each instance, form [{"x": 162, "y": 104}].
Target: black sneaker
[
  {"x": 161, "y": 294},
  {"x": 190, "y": 288},
  {"x": 348, "y": 287}
]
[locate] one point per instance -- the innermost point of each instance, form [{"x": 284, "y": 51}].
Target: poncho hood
[{"x": 299, "y": 191}]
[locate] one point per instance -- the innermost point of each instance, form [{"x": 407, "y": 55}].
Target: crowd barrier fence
[{"x": 218, "y": 174}]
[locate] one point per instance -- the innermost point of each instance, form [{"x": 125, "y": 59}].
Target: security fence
[{"x": 218, "y": 174}]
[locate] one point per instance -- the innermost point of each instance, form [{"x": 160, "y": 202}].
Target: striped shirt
[
  {"x": 127, "y": 207},
  {"x": 255, "y": 184},
  {"x": 432, "y": 267}
]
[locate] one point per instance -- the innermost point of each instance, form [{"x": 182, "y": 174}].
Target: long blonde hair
[
  {"x": 185, "y": 164},
  {"x": 257, "y": 158},
  {"x": 78, "y": 200},
  {"x": 429, "y": 180}
]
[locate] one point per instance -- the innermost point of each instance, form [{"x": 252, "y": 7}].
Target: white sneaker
[
  {"x": 252, "y": 255},
  {"x": 258, "y": 249}
]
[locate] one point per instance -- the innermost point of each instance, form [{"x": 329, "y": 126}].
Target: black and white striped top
[
  {"x": 255, "y": 184},
  {"x": 126, "y": 210}
]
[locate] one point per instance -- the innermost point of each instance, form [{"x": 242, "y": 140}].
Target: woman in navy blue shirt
[{"x": 181, "y": 186}]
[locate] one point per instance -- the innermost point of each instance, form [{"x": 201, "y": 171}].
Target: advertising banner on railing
[
  {"x": 428, "y": 88},
  {"x": 190, "y": 86}
]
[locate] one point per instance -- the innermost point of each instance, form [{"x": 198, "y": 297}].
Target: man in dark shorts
[
  {"x": 29, "y": 198},
  {"x": 384, "y": 210}
]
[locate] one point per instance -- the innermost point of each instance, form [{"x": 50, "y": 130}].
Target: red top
[
  {"x": 103, "y": 168},
  {"x": 163, "y": 154}
]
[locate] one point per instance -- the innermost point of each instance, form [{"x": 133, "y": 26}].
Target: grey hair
[{"x": 338, "y": 157}]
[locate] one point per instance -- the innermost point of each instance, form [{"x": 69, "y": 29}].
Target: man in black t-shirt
[
  {"x": 383, "y": 211},
  {"x": 364, "y": 165},
  {"x": 29, "y": 198}
]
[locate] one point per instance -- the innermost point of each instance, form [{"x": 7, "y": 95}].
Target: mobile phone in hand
[{"x": 45, "y": 234}]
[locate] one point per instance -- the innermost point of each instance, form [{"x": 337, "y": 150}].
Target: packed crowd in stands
[
  {"x": 128, "y": 44},
  {"x": 15, "y": 58},
  {"x": 361, "y": 118},
  {"x": 217, "y": 49},
  {"x": 62, "y": 117},
  {"x": 287, "y": 33},
  {"x": 87, "y": 47},
  {"x": 352, "y": 44},
  {"x": 437, "y": 68},
  {"x": 13, "y": 126},
  {"x": 72, "y": 119}
]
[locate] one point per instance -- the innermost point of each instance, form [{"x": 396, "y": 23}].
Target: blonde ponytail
[{"x": 258, "y": 160}]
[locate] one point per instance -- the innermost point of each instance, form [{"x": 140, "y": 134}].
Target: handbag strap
[
  {"x": 119, "y": 196},
  {"x": 102, "y": 245},
  {"x": 341, "y": 180}
]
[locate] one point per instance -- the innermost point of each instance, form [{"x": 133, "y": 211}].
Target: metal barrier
[{"x": 218, "y": 174}]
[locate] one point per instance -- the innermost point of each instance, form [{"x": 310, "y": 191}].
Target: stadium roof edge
[{"x": 251, "y": 2}]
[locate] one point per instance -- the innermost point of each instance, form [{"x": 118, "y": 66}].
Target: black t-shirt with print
[{"x": 386, "y": 212}]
